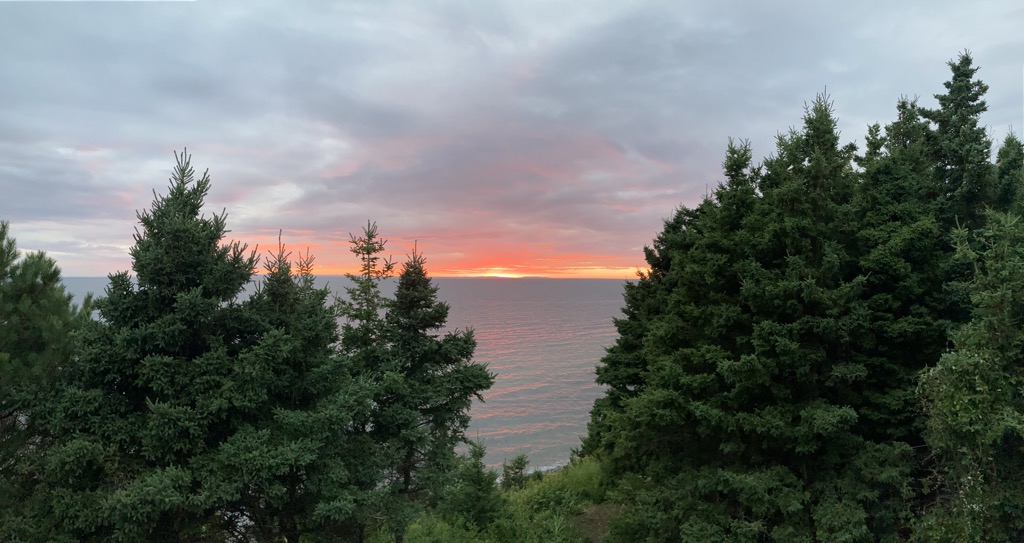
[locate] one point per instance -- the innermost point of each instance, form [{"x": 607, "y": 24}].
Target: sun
[{"x": 504, "y": 273}]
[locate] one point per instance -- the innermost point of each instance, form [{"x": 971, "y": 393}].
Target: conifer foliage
[
  {"x": 164, "y": 377},
  {"x": 193, "y": 409},
  {"x": 428, "y": 385},
  {"x": 422, "y": 380},
  {"x": 190, "y": 415},
  {"x": 299, "y": 454},
  {"x": 764, "y": 385},
  {"x": 975, "y": 423},
  {"x": 37, "y": 325}
]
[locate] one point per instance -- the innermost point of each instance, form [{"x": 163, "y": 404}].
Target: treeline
[
  {"x": 178, "y": 408},
  {"x": 829, "y": 346}
]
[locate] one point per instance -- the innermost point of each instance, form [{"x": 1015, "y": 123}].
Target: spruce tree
[
  {"x": 961, "y": 147},
  {"x": 901, "y": 252},
  {"x": 623, "y": 368},
  {"x": 163, "y": 380},
  {"x": 1009, "y": 175},
  {"x": 429, "y": 382},
  {"x": 746, "y": 427},
  {"x": 298, "y": 455},
  {"x": 364, "y": 348},
  {"x": 38, "y": 322}
]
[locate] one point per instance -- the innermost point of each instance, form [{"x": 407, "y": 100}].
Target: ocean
[{"x": 541, "y": 337}]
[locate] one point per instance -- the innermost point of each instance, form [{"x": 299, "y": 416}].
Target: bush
[
  {"x": 431, "y": 529},
  {"x": 513, "y": 474},
  {"x": 473, "y": 496}
]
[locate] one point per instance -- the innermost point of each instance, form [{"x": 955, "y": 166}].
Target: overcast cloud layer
[{"x": 520, "y": 137}]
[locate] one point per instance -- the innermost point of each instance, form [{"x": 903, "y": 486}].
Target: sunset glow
[
  {"x": 463, "y": 257},
  {"x": 506, "y": 139}
]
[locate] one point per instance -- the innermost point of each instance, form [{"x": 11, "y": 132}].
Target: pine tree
[
  {"x": 428, "y": 386},
  {"x": 37, "y": 326}
]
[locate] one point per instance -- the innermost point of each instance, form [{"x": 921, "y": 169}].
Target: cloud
[{"x": 536, "y": 136}]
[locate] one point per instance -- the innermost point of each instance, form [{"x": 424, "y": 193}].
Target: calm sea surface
[{"x": 542, "y": 337}]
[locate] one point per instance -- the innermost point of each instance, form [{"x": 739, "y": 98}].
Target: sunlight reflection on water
[{"x": 543, "y": 338}]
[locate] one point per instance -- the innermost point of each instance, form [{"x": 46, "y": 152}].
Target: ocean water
[{"x": 541, "y": 337}]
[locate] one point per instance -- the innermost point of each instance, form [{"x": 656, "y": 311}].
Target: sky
[{"x": 503, "y": 138}]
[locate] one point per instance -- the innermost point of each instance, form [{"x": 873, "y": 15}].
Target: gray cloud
[{"x": 557, "y": 131}]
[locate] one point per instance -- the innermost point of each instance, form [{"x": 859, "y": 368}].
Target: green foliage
[
  {"x": 565, "y": 492},
  {"x": 755, "y": 374},
  {"x": 901, "y": 257},
  {"x": 961, "y": 147},
  {"x": 545, "y": 508},
  {"x": 975, "y": 412},
  {"x": 188, "y": 415},
  {"x": 431, "y": 529},
  {"x": 513, "y": 474},
  {"x": 422, "y": 381},
  {"x": 37, "y": 326},
  {"x": 1010, "y": 175},
  {"x": 763, "y": 385},
  {"x": 364, "y": 348},
  {"x": 472, "y": 496},
  {"x": 161, "y": 381},
  {"x": 363, "y": 323},
  {"x": 297, "y": 454},
  {"x": 429, "y": 382},
  {"x": 474, "y": 509}
]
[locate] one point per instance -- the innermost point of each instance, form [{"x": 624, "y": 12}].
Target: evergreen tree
[
  {"x": 746, "y": 422},
  {"x": 299, "y": 456},
  {"x": 972, "y": 400},
  {"x": 965, "y": 178},
  {"x": 165, "y": 376},
  {"x": 901, "y": 252},
  {"x": 365, "y": 350},
  {"x": 961, "y": 147},
  {"x": 37, "y": 326},
  {"x": 472, "y": 496},
  {"x": 623, "y": 369},
  {"x": 363, "y": 310},
  {"x": 1009, "y": 175},
  {"x": 428, "y": 386}
]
